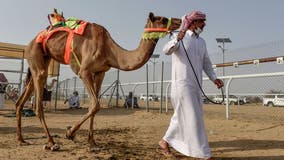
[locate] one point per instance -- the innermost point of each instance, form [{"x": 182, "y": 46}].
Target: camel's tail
[{"x": 26, "y": 94}]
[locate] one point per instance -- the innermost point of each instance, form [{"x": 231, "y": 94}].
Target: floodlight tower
[{"x": 223, "y": 41}]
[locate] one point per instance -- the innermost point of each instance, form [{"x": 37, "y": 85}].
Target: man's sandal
[
  {"x": 165, "y": 152},
  {"x": 164, "y": 149}
]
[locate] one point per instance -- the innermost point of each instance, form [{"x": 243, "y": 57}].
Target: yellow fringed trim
[{"x": 153, "y": 35}]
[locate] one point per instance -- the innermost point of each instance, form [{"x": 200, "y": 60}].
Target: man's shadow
[
  {"x": 244, "y": 145},
  {"x": 250, "y": 145}
]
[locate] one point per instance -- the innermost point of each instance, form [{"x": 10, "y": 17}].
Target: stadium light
[{"x": 223, "y": 41}]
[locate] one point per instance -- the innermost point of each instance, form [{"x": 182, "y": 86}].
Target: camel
[{"x": 97, "y": 52}]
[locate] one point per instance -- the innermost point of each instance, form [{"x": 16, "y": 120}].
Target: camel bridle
[
  {"x": 156, "y": 33},
  {"x": 160, "y": 29}
]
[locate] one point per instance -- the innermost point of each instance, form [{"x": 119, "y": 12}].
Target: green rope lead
[{"x": 75, "y": 56}]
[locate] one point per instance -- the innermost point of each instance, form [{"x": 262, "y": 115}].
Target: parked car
[
  {"x": 144, "y": 97},
  {"x": 232, "y": 99},
  {"x": 150, "y": 97},
  {"x": 273, "y": 100}
]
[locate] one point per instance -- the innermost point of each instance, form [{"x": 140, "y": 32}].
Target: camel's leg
[
  {"x": 19, "y": 107},
  {"x": 90, "y": 85},
  {"x": 98, "y": 81},
  {"x": 39, "y": 82},
  {"x": 38, "y": 65}
]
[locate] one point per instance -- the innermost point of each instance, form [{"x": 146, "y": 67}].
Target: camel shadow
[
  {"x": 103, "y": 111},
  {"x": 29, "y": 129}
]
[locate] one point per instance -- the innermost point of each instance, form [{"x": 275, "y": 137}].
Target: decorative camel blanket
[{"x": 72, "y": 26}]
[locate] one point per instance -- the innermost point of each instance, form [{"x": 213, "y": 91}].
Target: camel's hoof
[
  {"x": 54, "y": 147},
  {"x": 68, "y": 134},
  {"x": 46, "y": 147},
  {"x": 23, "y": 143}
]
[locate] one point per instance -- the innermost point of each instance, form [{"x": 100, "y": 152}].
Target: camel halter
[{"x": 156, "y": 33}]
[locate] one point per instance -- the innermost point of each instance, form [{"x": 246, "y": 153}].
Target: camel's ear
[
  {"x": 151, "y": 16},
  {"x": 55, "y": 10}
]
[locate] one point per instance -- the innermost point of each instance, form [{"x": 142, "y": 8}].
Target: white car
[
  {"x": 232, "y": 100},
  {"x": 273, "y": 100},
  {"x": 144, "y": 97}
]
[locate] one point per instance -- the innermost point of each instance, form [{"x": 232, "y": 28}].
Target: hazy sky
[{"x": 246, "y": 22}]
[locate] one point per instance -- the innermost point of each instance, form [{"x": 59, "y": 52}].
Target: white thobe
[{"x": 186, "y": 132}]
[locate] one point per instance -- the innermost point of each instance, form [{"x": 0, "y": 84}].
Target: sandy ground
[{"x": 253, "y": 132}]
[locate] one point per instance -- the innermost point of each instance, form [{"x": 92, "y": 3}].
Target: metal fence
[
  {"x": 252, "y": 87},
  {"x": 154, "y": 79}
]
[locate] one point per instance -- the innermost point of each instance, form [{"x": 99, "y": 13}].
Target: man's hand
[
  {"x": 219, "y": 83},
  {"x": 181, "y": 35}
]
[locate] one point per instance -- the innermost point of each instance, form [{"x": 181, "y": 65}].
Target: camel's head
[
  {"x": 158, "y": 27},
  {"x": 56, "y": 17}
]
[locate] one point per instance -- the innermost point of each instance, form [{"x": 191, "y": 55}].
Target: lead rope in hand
[{"x": 198, "y": 81}]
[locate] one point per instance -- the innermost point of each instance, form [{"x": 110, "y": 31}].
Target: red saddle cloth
[{"x": 44, "y": 36}]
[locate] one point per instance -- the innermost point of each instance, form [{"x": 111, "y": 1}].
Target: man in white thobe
[{"x": 186, "y": 132}]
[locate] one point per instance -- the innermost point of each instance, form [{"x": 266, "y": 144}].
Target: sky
[{"x": 246, "y": 22}]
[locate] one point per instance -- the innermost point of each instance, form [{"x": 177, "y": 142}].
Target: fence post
[
  {"x": 167, "y": 97},
  {"x": 117, "y": 89},
  {"x": 66, "y": 87},
  {"x": 57, "y": 88},
  {"x": 75, "y": 85},
  {"x": 227, "y": 98},
  {"x": 21, "y": 76},
  {"x": 162, "y": 81},
  {"x": 147, "y": 88}
]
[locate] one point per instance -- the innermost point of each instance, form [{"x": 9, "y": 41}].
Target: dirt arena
[{"x": 253, "y": 132}]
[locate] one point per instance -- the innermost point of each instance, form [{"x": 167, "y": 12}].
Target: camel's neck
[{"x": 130, "y": 60}]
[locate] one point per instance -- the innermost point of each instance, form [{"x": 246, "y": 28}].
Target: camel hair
[{"x": 97, "y": 52}]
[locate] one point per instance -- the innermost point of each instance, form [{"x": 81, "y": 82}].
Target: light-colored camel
[{"x": 97, "y": 52}]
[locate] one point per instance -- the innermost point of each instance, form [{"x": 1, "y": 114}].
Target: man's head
[
  {"x": 75, "y": 93},
  {"x": 195, "y": 21}
]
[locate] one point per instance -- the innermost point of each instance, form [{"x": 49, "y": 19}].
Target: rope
[
  {"x": 198, "y": 81},
  {"x": 75, "y": 56}
]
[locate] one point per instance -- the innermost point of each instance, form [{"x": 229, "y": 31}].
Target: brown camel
[{"x": 97, "y": 52}]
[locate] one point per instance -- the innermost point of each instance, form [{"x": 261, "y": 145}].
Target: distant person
[
  {"x": 73, "y": 101},
  {"x": 128, "y": 101},
  {"x": 47, "y": 91},
  {"x": 186, "y": 132}
]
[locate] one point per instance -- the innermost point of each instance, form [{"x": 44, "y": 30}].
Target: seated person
[
  {"x": 128, "y": 101},
  {"x": 73, "y": 101}
]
